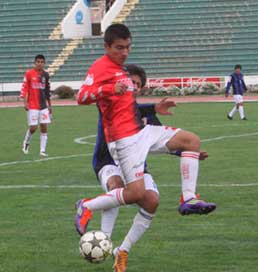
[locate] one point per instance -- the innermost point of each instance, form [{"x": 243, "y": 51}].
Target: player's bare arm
[{"x": 163, "y": 106}]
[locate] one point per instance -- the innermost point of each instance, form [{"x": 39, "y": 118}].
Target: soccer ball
[{"x": 95, "y": 246}]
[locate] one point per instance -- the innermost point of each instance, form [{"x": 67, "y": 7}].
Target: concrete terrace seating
[
  {"x": 24, "y": 29},
  {"x": 183, "y": 38},
  {"x": 170, "y": 38}
]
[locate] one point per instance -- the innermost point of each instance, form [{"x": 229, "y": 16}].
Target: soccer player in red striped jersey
[
  {"x": 35, "y": 93},
  {"x": 108, "y": 85}
]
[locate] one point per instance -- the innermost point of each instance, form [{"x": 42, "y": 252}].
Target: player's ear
[{"x": 106, "y": 45}]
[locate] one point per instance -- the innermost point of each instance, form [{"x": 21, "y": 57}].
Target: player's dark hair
[
  {"x": 39, "y": 56},
  {"x": 238, "y": 66},
  {"x": 133, "y": 69},
  {"x": 115, "y": 32}
]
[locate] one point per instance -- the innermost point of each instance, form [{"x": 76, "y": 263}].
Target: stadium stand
[
  {"x": 24, "y": 30},
  {"x": 170, "y": 38}
]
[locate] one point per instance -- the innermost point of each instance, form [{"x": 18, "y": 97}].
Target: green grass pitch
[{"x": 36, "y": 223}]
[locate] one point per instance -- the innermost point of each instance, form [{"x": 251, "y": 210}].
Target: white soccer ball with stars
[{"x": 95, "y": 246}]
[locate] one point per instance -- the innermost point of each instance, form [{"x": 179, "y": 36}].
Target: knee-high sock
[
  {"x": 189, "y": 173},
  {"x": 27, "y": 137},
  {"x": 108, "y": 219},
  {"x": 140, "y": 224},
  {"x": 241, "y": 112},
  {"x": 106, "y": 201},
  {"x": 233, "y": 111},
  {"x": 43, "y": 142}
]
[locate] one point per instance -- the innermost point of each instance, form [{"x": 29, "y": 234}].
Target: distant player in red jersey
[
  {"x": 35, "y": 93},
  {"x": 129, "y": 141}
]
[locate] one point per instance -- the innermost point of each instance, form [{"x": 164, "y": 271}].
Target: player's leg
[
  {"x": 232, "y": 112},
  {"x": 44, "y": 119},
  {"x": 32, "y": 119},
  {"x": 112, "y": 199},
  {"x": 168, "y": 139},
  {"x": 189, "y": 144},
  {"x": 235, "y": 108},
  {"x": 241, "y": 111},
  {"x": 110, "y": 178},
  {"x": 142, "y": 221},
  {"x": 241, "y": 107},
  {"x": 131, "y": 161}
]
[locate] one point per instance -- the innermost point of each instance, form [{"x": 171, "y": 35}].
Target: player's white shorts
[
  {"x": 238, "y": 98},
  {"x": 112, "y": 170},
  {"x": 131, "y": 152},
  {"x": 35, "y": 117}
]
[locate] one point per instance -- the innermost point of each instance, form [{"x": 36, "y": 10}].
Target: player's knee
[
  {"x": 153, "y": 200},
  {"x": 150, "y": 202},
  {"x": 192, "y": 142},
  {"x": 138, "y": 195},
  {"x": 43, "y": 129},
  {"x": 114, "y": 182},
  {"x": 196, "y": 141},
  {"x": 33, "y": 129},
  {"x": 134, "y": 192}
]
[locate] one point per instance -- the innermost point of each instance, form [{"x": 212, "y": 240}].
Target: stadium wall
[{"x": 181, "y": 82}]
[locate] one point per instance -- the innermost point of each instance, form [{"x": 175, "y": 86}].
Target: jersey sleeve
[
  {"x": 229, "y": 84},
  {"x": 146, "y": 109},
  {"x": 25, "y": 85},
  {"x": 95, "y": 87},
  {"x": 47, "y": 88}
]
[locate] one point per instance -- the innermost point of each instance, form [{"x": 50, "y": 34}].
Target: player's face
[
  {"x": 238, "y": 70},
  {"x": 137, "y": 83},
  {"x": 119, "y": 50},
  {"x": 39, "y": 64}
]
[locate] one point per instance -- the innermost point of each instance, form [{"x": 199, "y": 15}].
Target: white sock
[
  {"x": 241, "y": 112},
  {"x": 189, "y": 172},
  {"x": 141, "y": 223},
  {"x": 233, "y": 111},
  {"x": 108, "y": 219},
  {"x": 107, "y": 201},
  {"x": 43, "y": 142},
  {"x": 27, "y": 137}
]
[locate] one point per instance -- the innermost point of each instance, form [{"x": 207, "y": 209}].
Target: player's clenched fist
[{"x": 120, "y": 88}]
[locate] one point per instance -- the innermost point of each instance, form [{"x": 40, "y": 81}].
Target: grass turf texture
[{"x": 36, "y": 224}]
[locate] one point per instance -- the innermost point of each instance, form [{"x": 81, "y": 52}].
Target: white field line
[
  {"x": 30, "y": 186},
  {"x": 82, "y": 141},
  {"x": 45, "y": 159},
  {"x": 229, "y": 136}
]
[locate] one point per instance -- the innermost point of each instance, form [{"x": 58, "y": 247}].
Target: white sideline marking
[
  {"x": 45, "y": 159},
  {"x": 28, "y": 186}
]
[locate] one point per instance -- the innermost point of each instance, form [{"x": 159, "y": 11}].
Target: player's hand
[
  {"x": 50, "y": 110},
  {"x": 163, "y": 106},
  {"x": 203, "y": 155},
  {"x": 120, "y": 88}
]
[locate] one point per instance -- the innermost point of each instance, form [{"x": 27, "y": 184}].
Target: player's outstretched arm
[{"x": 163, "y": 106}]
